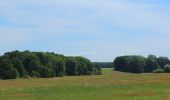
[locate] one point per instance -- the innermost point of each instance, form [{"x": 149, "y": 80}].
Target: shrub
[
  {"x": 26, "y": 76},
  {"x": 98, "y": 71},
  {"x": 60, "y": 74},
  {"x": 35, "y": 74},
  {"x": 167, "y": 69},
  {"x": 158, "y": 71}
]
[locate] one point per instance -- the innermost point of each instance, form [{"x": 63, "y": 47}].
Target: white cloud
[
  {"x": 49, "y": 16},
  {"x": 38, "y": 20}
]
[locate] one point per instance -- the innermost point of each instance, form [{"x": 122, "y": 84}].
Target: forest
[
  {"x": 140, "y": 64},
  {"x": 17, "y": 64},
  {"x": 26, "y": 64}
]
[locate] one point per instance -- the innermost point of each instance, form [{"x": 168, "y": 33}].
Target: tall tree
[
  {"x": 59, "y": 66},
  {"x": 151, "y": 64},
  {"x": 71, "y": 66},
  {"x": 7, "y": 70},
  {"x": 162, "y": 61},
  {"x": 19, "y": 66}
]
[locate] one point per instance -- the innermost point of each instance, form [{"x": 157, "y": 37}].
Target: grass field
[{"x": 109, "y": 86}]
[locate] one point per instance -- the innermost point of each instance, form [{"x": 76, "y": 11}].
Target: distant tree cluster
[
  {"x": 18, "y": 64},
  {"x": 103, "y": 64},
  {"x": 140, "y": 64}
]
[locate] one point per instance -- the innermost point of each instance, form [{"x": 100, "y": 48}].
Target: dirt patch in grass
[
  {"x": 166, "y": 98},
  {"x": 134, "y": 94}
]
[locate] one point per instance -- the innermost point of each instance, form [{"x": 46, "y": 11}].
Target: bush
[
  {"x": 26, "y": 76},
  {"x": 158, "y": 71},
  {"x": 167, "y": 69},
  {"x": 98, "y": 71},
  {"x": 35, "y": 74},
  {"x": 60, "y": 74}
]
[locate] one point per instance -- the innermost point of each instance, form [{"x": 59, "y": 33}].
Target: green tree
[
  {"x": 46, "y": 72},
  {"x": 152, "y": 56},
  {"x": 85, "y": 66},
  {"x": 151, "y": 64},
  {"x": 7, "y": 70},
  {"x": 59, "y": 66},
  {"x": 19, "y": 66},
  {"x": 120, "y": 63},
  {"x": 103, "y": 64},
  {"x": 162, "y": 61},
  {"x": 71, "y": 66},
  {"x": 43, "y": 57},
  {"x": 135, "y": 64},
  {"x": 44, "y": 64},
  {"x": 167, "y": 68},
  {"x": 98, "y": 71}
]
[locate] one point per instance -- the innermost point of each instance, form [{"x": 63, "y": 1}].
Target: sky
[{"x": 99, "y": 30}]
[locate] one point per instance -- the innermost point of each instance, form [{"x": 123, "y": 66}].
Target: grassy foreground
[{"x": 109, "y": 86}]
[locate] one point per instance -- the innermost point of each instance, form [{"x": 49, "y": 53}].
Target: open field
[{"x": 109, "y": 86}]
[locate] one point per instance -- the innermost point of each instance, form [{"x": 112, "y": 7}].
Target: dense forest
[
  {"x": 140, "y": 64},
  {"x": 25, "y": 64},
  {"x": 103, "y": 64}
]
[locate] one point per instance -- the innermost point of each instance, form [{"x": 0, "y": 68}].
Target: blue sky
[{"x": 97, "y": 29}]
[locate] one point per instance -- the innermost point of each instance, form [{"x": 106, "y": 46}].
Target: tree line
[
  {"x": 140, "y": 64},
  {"x": 103, "y": 64},
  {"x": 25, "y": 64}
]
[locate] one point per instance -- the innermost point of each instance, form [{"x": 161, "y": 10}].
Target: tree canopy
[
  {"x": 139, "y": 64},
  {"x": 18, "y": 64}
]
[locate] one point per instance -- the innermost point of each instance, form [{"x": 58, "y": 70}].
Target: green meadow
[{"x": 109, "y": 86}]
